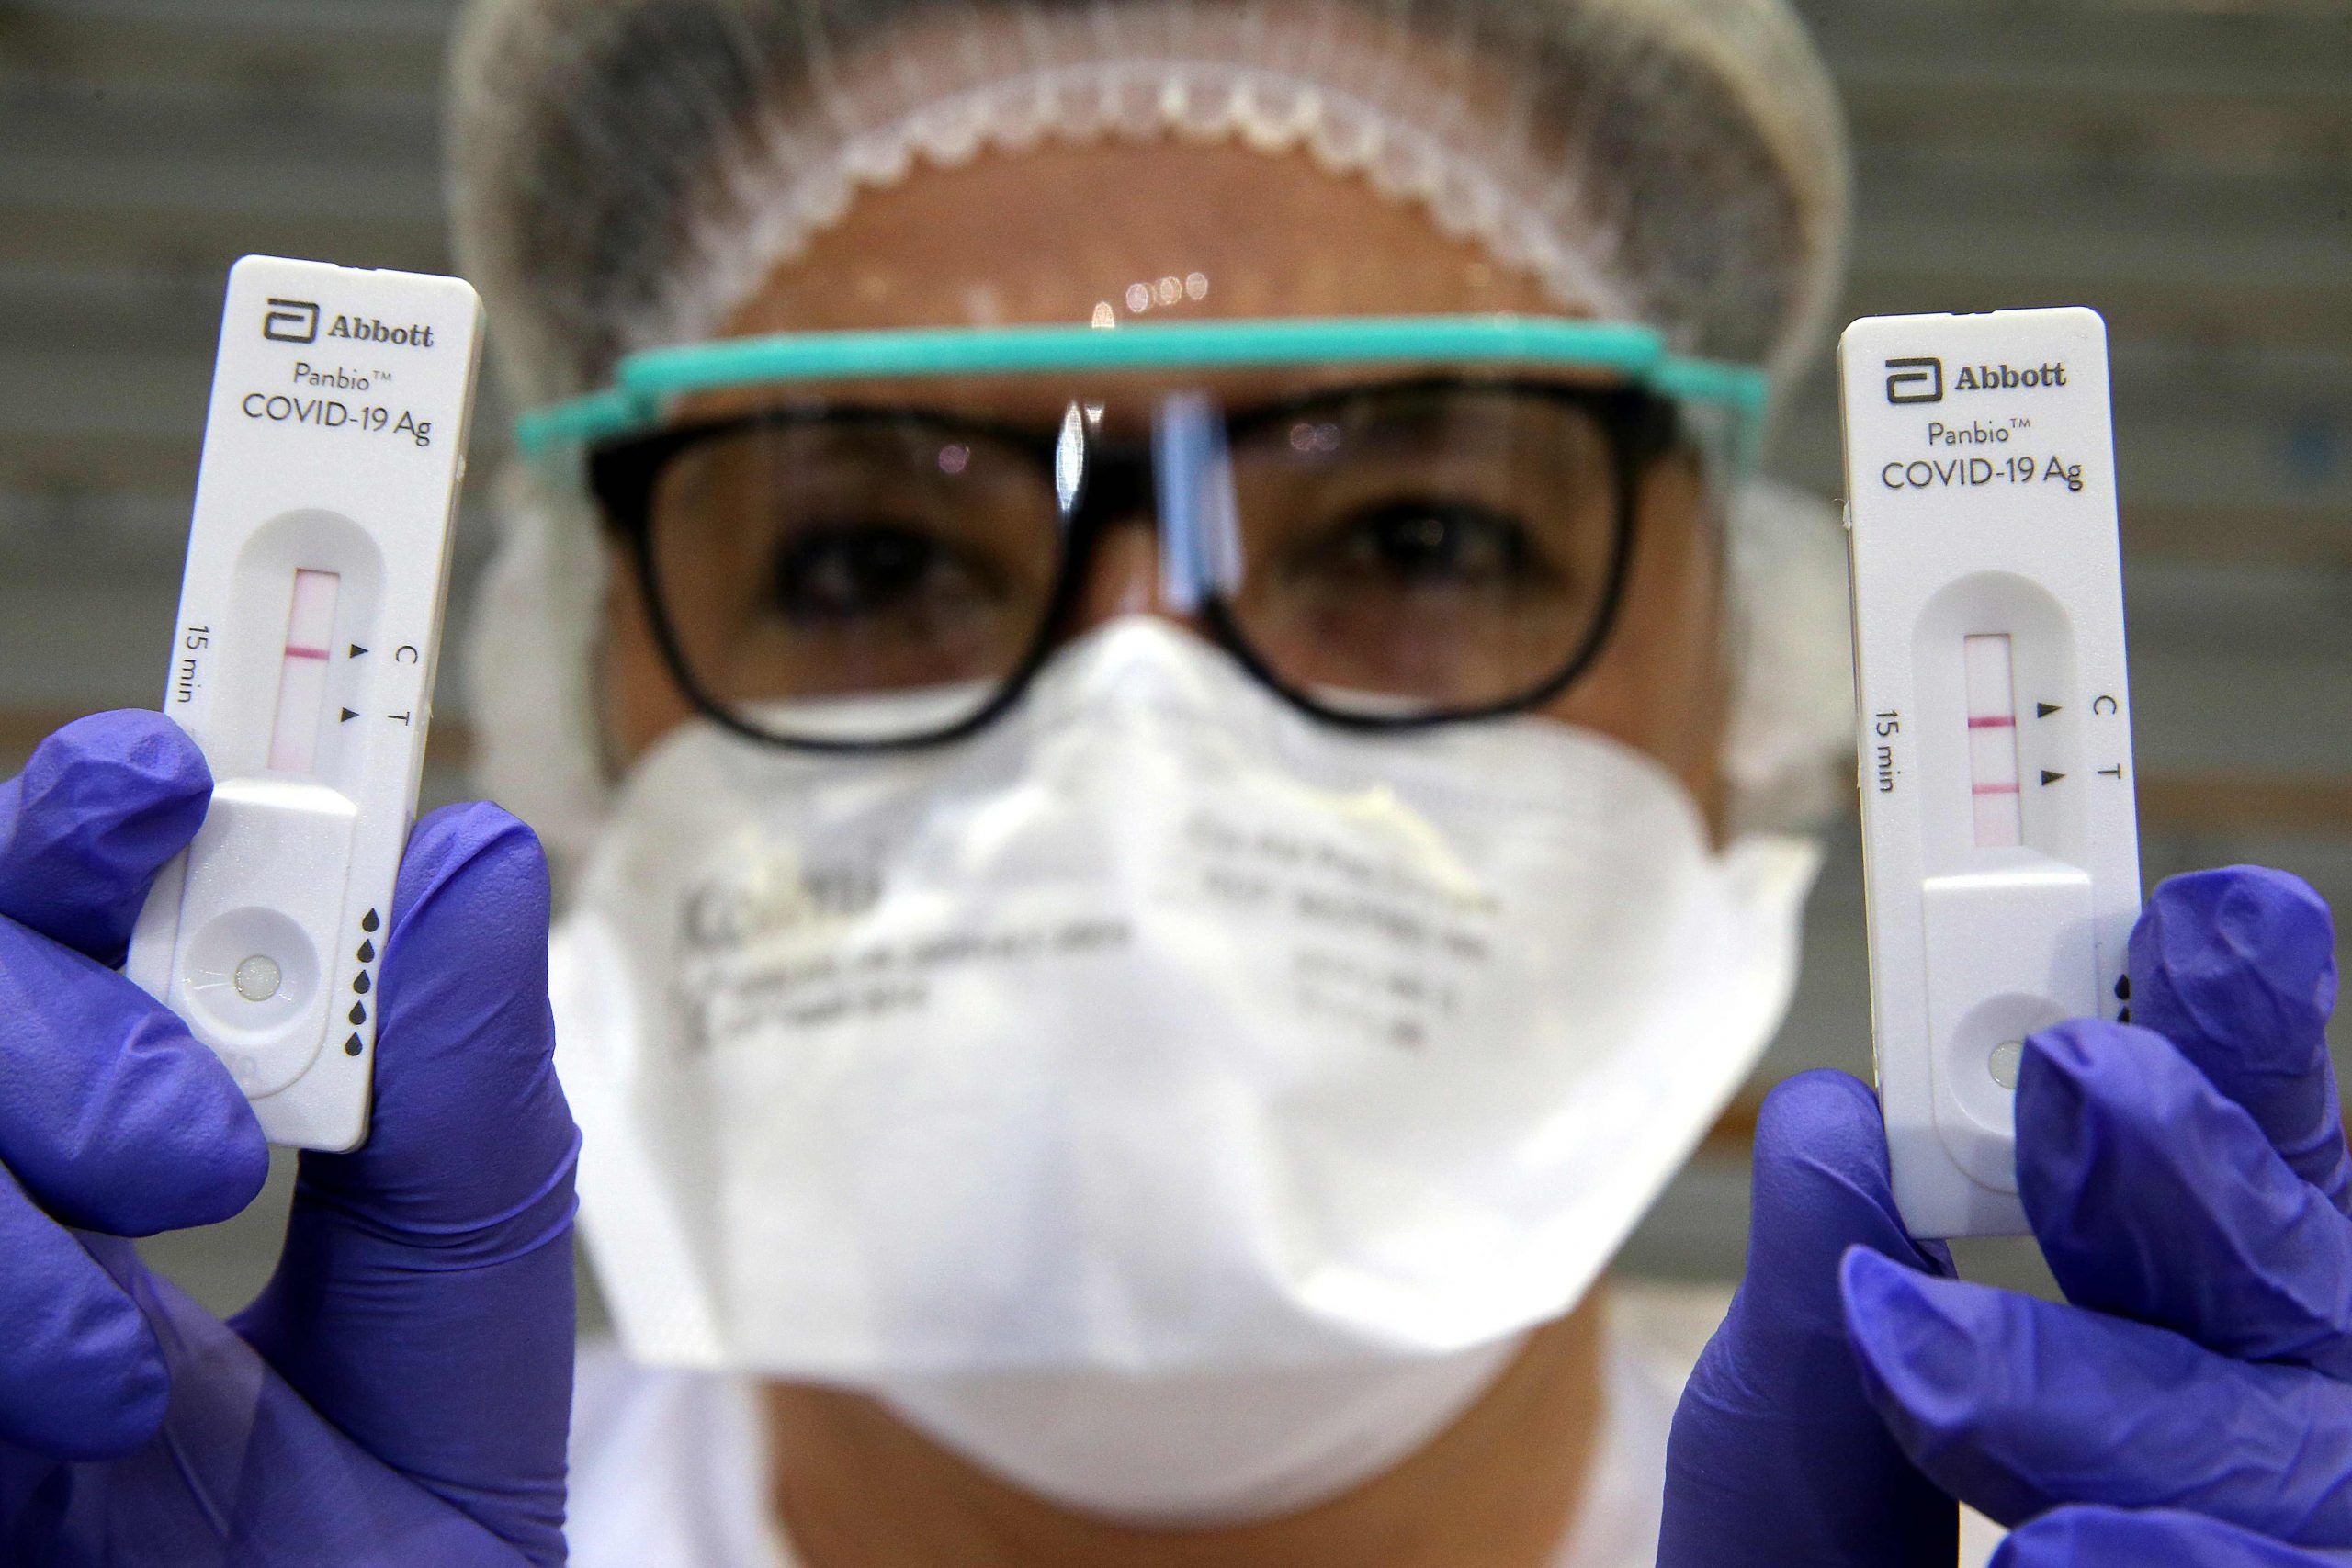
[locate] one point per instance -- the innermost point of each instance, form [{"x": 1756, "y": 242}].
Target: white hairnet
[{"x": 627, "y": 172}]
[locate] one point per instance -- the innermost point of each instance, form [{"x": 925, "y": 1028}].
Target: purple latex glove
[
  {"x": 1776, "y": 1456},
  {"x": 2188, "y": 1180},
  {"x": 401, "y": 1391}
]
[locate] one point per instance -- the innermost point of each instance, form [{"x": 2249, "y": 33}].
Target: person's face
[{"x": 1053, "y": 234}]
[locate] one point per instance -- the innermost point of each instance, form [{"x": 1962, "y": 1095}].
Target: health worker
[{"x": 1175, "y": 736}]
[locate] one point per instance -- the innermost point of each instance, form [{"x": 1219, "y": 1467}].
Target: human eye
[
  {"x": 1422, "y": 542},
  {"x": 840, "y": 571}
]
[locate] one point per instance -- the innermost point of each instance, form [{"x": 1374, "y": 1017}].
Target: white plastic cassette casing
[
  {"x": 2000, "y": 843},
  {"x": 302, "y": 663}
]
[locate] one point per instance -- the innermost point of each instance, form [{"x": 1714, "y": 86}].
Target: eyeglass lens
[{"x": 876, "y": 576}]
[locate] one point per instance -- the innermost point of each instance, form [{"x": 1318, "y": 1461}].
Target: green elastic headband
[{"x": 646, "y": 383}]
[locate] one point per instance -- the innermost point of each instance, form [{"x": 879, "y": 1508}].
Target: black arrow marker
[
  {"x": 348, "y": 716},
  {"x": 2043, "y": 710},
  {"x": 357, "y": 650},
  {"x": 2050, "y": 778}
]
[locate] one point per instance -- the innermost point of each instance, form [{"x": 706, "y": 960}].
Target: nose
[{"x": 1122, "y": 577}]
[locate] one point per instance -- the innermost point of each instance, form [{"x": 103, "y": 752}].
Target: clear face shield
[
  {"x": 1229, "y": 1015},
  {"x": 853, "y": 541}
]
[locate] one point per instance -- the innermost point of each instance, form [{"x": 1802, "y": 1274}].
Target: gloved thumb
[
  {"x": 424, "y": 1302},
  {"x": 1775, "y": 1455}
]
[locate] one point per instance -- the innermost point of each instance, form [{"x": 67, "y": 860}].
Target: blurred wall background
[{"x": 2183, "y": 165}]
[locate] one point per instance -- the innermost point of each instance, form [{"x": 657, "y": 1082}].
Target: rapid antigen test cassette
[
  {"x": 2000, "y": 844},
  {"x": 302, "y": 664}
]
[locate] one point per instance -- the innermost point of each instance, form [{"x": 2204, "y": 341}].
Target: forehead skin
[
  {"x": 1056, "y": 233},
  {"x": 1048, "y": 234}
]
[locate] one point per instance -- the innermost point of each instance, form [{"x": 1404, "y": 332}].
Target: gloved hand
[
  {"x": 2188, "y": 1180},
  {"x": 401, "y": 1391},
  {"x": 2188, "y": 1173},
  {"x": 1775, "y": 1456}
]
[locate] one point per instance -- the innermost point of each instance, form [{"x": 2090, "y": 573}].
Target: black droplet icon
[
  {"x": 361, "y": 983},
  {"x": 368, "y": 922},
  {"x": 367, "y": 952},
  {"x": 2123, "y": 1017},
  {"x": 2123, "y": 988},
  {"x": 350, "y": 1046},
  {"x": 359, "y": 1012}
]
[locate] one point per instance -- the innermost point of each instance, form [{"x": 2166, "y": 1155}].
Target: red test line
[
  {"x": 293, "y": 652},
  {"x": 2000, "y": 721}
]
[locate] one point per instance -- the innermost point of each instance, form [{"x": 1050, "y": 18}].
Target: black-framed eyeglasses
[{"x": 843, "y": 576}]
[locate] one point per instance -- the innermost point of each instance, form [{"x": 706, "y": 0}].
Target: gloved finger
[
  {"x": 2159, "y": 1537},
  {"x": 101, "y": 804},
  {"x": 424, "y": 1302},
  {"x": 2236, "y": 968},
  {"x": 112, "y": 1115},
  {"x": 242, "y": 1474},
  {"x": 469, "y": 1119},
  {"x": 2154, "y": 1198},
  {"x": 81, "y": 1376},
  {"x": 2018, "y": 1406},
  {"x": 1775, "y": 1455}
]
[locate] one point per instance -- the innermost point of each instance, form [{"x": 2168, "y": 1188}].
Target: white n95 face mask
[{"x": 1158, "y": 1053}]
